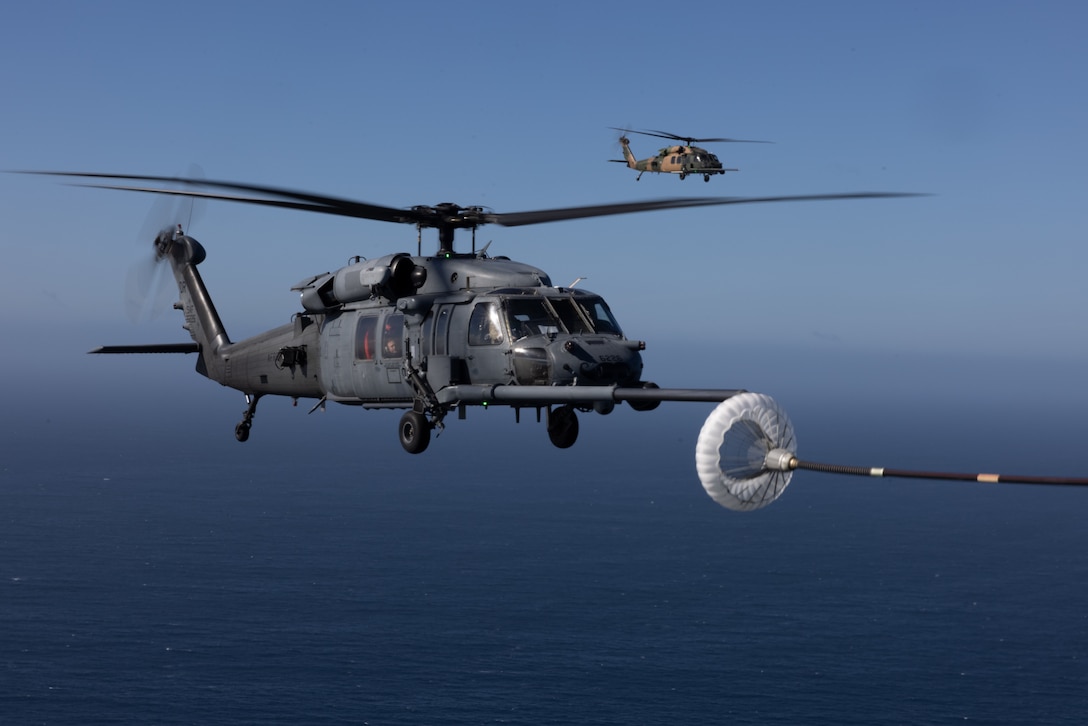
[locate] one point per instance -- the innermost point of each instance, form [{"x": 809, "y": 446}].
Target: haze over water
[{"x": 161, "y": 572}]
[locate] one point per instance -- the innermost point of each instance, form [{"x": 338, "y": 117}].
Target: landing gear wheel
[
  {"x": 683, "y": 175},
  {"x": 563, "y": 427},
  {"x": 706, "y": 177},
  {"x": 415, "y": 432},
  {"x": 241, "y": 431}
]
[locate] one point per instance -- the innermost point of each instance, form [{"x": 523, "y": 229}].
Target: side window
[
  {"x": 366, "y": 338},
  {"x": 441, "y": 329},
  {"x": 483, "y": 326},
  {"x": 393, "y": 337}
]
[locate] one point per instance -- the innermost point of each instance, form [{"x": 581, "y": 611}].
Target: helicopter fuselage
[
  {"x": 678, "y": 159},
  {"x": 476, "y": 321},
  {"x": 430, "y": 334}
]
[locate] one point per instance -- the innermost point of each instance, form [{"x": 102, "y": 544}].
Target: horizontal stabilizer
[{"x": 155, "y": 348}]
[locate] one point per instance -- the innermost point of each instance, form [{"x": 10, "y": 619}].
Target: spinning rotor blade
[
  {"x": 688, "y": 140},
  {"x": 148, "y": 285},
  {"x": 147, "y": 288},
  {"x": 448, "y": 216},
  {"x": 289, "y": 198},
  {"x": 515, "y": 219},
  {"x": 166, "y": 214}
]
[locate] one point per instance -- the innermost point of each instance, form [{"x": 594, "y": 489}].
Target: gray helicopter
[{"x": 429, "y": 334}]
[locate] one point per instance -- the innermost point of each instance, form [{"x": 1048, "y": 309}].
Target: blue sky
[{"x": 981, "y": 104}]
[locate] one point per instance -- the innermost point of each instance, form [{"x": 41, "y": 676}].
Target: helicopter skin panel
[{"x": 275, "y": 362}]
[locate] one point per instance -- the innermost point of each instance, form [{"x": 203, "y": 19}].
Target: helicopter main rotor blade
[
  {"x": 516, "y": 219},
  {"x": 727, "y": 141},
  {"x": 692, "y": 140},
  {"x": 688, "y": 139},
  {"x": 442, "y": 216},
  {"x": 289, "y": 198},
  {"x": 263, "y": 201}
]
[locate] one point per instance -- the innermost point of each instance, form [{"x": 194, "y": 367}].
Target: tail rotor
[{"x": 149, "y": 285}]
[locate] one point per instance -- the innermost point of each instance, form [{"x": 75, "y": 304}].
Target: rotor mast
[
  {"x": 447, "y": 218},
  {"x": 446, "y": 234}
]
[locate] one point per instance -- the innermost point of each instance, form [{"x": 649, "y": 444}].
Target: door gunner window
[
  {"x": 393, "y": 337},
  {"x": 366, "y": 338}
]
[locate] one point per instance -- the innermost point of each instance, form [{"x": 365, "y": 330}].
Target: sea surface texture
[{"x": 164, "y": 574}]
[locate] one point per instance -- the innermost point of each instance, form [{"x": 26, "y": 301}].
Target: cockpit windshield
[
  {"x": 600, "y": 316},
  {"x": 530, "y": 316},
  {"x": 549, "y": 316},
  {"x": 569, "y": 313}
]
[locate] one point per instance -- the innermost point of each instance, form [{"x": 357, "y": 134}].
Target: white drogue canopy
[{"x": 744, "y": 450}]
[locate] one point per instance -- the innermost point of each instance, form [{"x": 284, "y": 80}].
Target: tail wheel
[
  {"x": 415, "y": 432},
  {"x": 563, "y": 427}
]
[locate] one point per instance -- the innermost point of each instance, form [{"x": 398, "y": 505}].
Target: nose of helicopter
[{"x": 597, "y": 361}]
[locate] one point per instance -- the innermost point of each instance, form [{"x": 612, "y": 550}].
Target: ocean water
[{"x": 157, "y": 572}]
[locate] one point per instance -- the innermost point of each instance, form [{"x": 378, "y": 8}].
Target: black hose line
[{"x": 907, "y": 474}]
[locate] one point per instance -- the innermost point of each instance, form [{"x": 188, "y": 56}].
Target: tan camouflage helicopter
[{"x": 682, "y": 159}]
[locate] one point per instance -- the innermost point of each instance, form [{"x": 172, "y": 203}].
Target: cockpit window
[
  {"x": 601, "y": 316},
  {"x": 550, "y": 315},
  {"x": 483, "y": 326},
  {"x": 530, "y": 316},
  {"x": 568, "y": 313}
]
